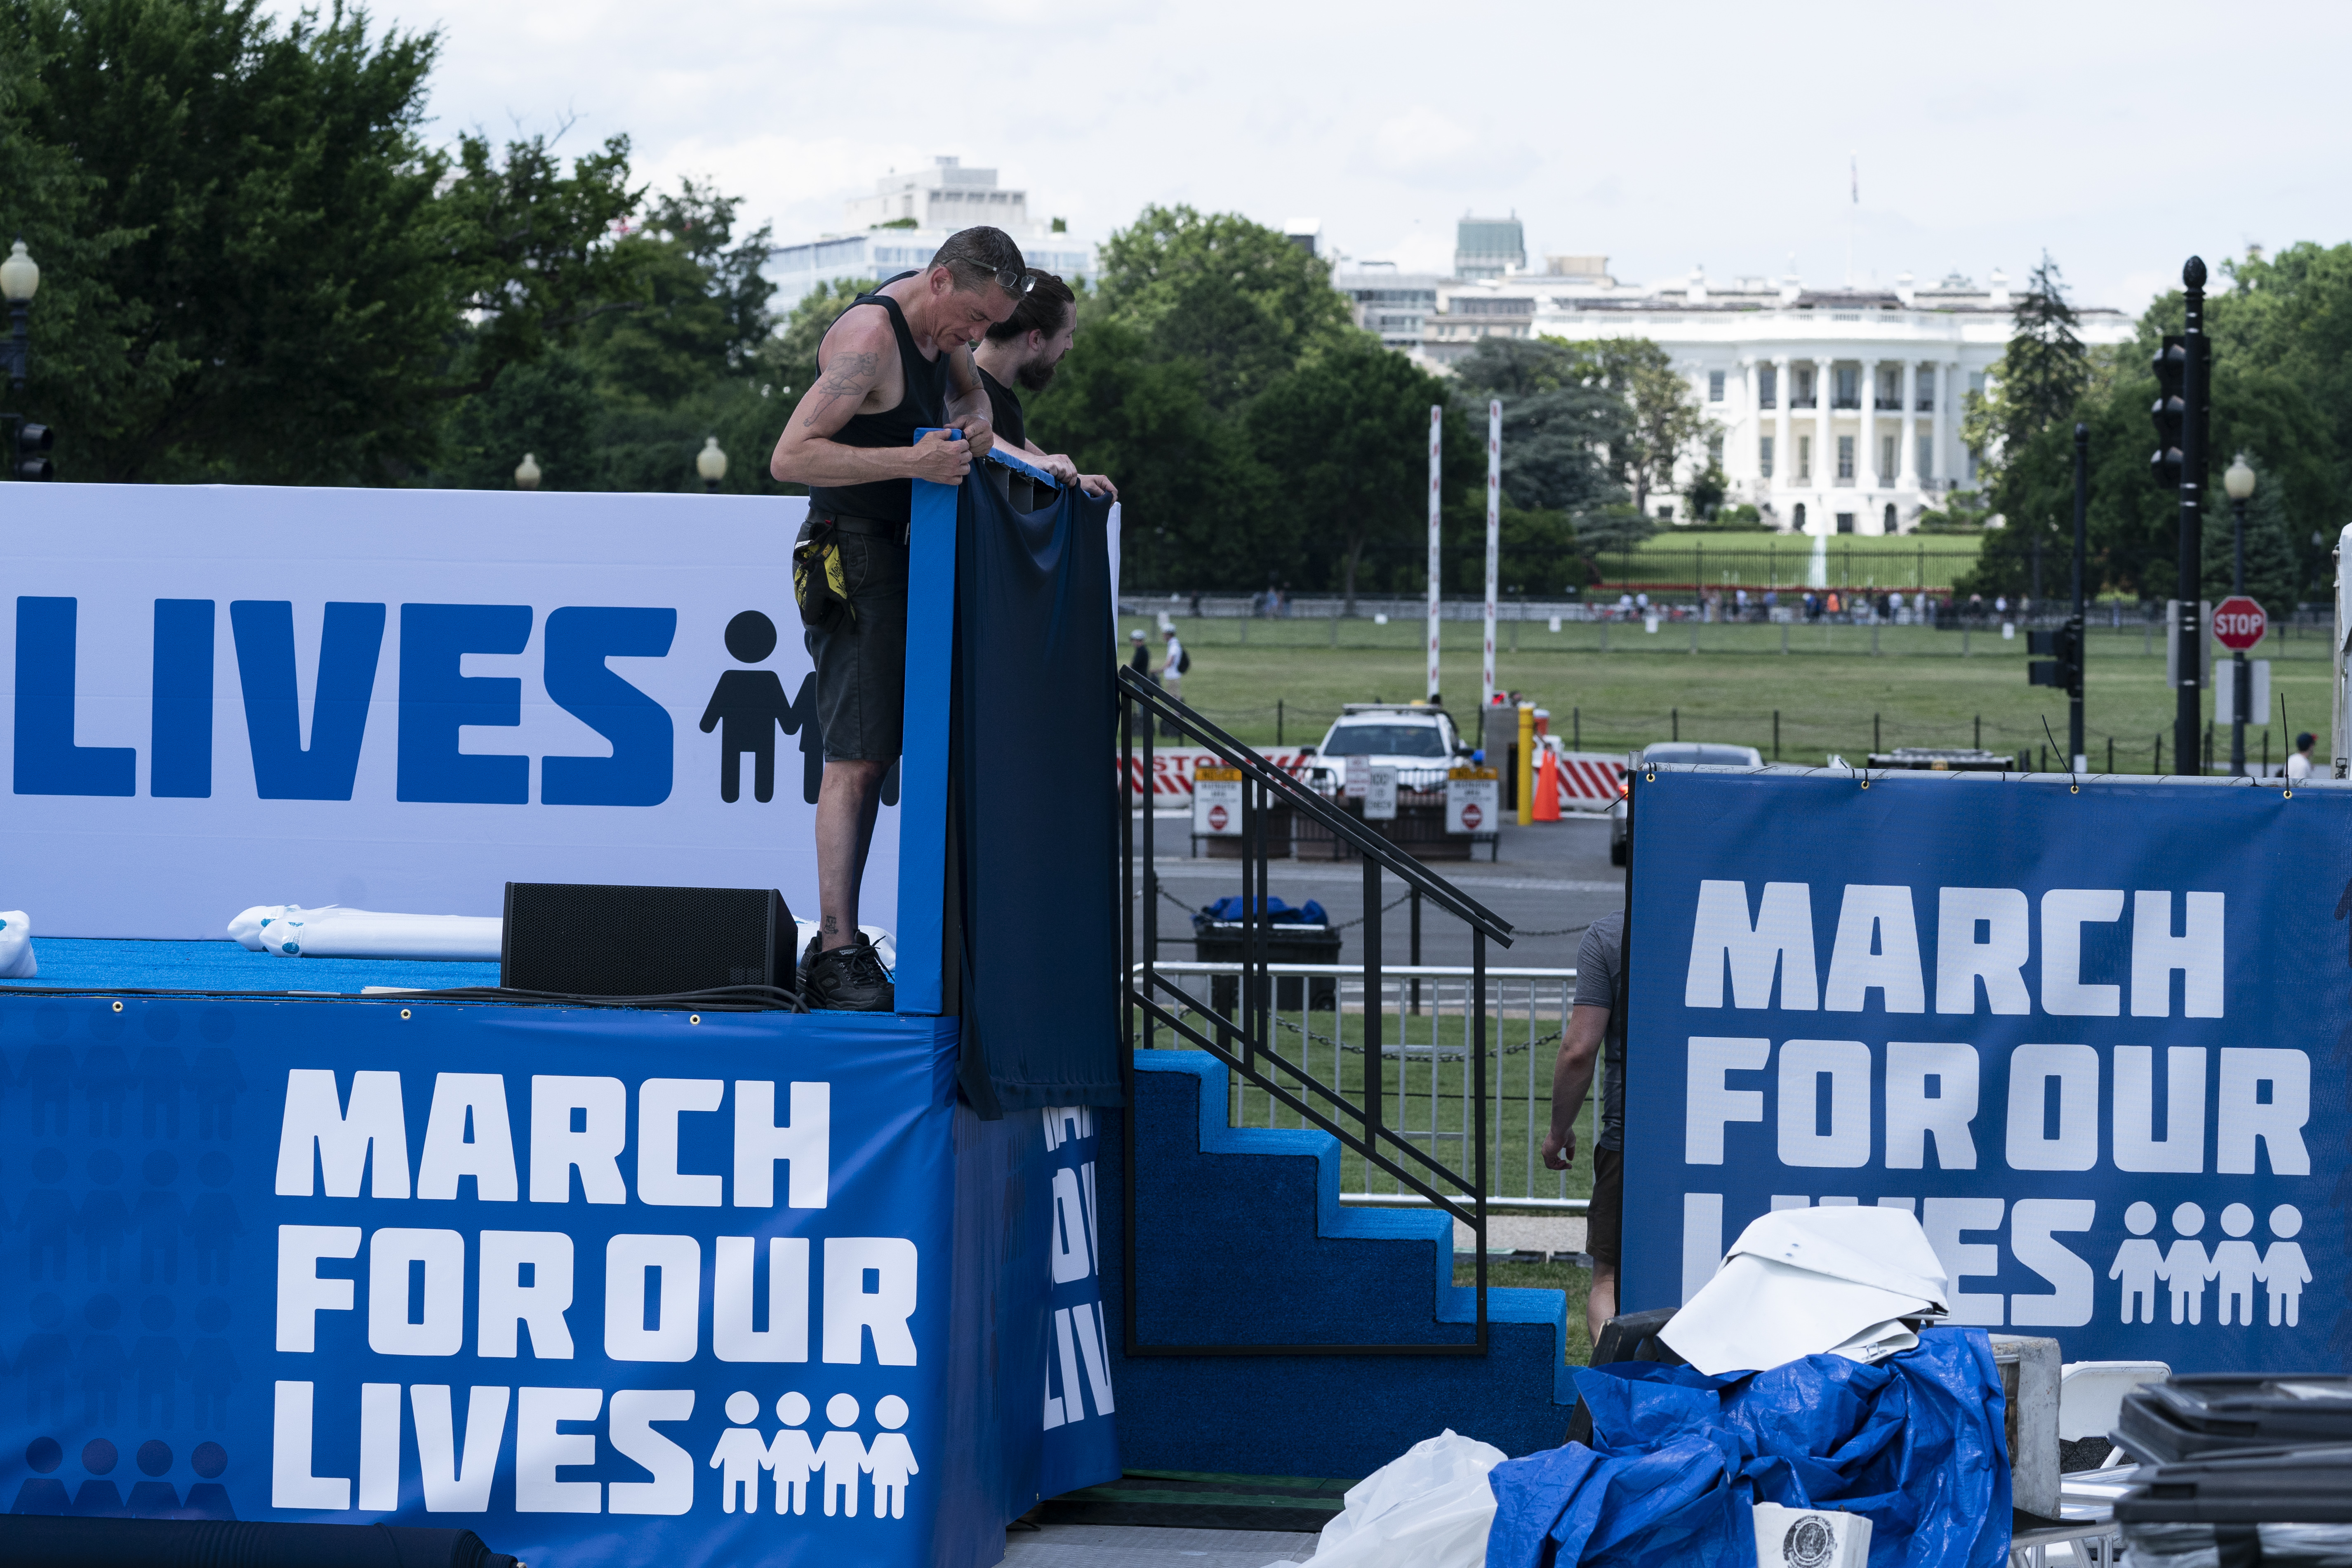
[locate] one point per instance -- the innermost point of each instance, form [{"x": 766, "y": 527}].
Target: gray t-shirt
[{"x": 1596, "y": 986}]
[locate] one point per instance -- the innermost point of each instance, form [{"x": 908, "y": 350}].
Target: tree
[
  {"x": 1236, "y": 297},
  {"x": 1662, "y": 422},
  {"x": 2045, "y": 369},
  {"x": 256, "y": 268},
  {"x": 255, "y": 292},
  {"x": 1346, "y": 435},
  {"x": 1559, "y": 419},
  {"x": 1188, "y": 493}
]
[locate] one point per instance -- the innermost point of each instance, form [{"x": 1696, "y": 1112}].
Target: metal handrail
[
  {"x": 1258, "y": 1059},
  {"x": 1298, "y": 797}
]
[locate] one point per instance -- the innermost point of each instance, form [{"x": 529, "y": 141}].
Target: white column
[
  {"x": 1865, "y": 439},
  {"x": 1739, "y": 449},
  {"x": 1908, "y": 477},
  {"x": 1824, "y": 448},
  {"x": 1494, "y": 544},
  {"x": 1946, "y": 419},
  {"x": 1784, "y": 471},
  {"x": 1436, "y": 413}
]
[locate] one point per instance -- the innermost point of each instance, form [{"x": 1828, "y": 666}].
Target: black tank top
[{"x": 924, "y": 405}]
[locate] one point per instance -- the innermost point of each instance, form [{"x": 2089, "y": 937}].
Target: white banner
[{"x": 401, "y": 700}]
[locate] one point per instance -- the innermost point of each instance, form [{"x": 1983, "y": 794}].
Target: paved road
[{"x": 1548, "y": 877}]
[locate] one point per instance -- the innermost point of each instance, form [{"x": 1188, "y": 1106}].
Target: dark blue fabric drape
[{"x": 1035, "y": 815}]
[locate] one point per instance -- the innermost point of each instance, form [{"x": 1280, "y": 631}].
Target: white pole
[
  {"x": 1436, "y": 415},
  {"x": 1493, "y": 539}
]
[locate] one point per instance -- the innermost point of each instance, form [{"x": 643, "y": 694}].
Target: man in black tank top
[
  {"x": 1023, "y": 349},
  {"x": 897, "y": 360}
]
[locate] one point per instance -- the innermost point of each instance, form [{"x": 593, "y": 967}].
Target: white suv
[
  {"x": 1418, "y": 741},
  {"x": 1688, "y": 752}
]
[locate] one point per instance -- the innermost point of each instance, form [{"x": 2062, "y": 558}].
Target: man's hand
[
  {"x": 1064, "y": 472},
  {"x": 978, "y": 434},
  {"x": 1559, "y": 1150},
  {"x": 942, "y": 459},
  {"x": 1098, "y": 485}
]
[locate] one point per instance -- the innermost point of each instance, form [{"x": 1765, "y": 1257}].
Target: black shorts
[
  {"x": 861, "y": 659},
  {"x": 1604, "y": 1222}
]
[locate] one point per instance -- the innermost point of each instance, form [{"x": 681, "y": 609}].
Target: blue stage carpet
[{"x": 101, "y": 964}]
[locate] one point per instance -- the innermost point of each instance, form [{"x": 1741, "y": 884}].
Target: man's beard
[{"x": 1035, "y": 376}]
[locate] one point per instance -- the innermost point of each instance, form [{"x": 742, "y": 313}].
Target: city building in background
[{"x": 909, "y": 215}]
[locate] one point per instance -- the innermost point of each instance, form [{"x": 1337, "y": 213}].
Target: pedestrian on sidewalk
[{"x": 1596, "y": 1029}]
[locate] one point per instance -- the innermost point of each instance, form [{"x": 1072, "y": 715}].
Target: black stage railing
[{"x": 1246, "y": 1044}]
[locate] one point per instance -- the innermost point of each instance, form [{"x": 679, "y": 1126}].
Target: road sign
[
  {"x": 1217, "y": 807},
  {"x": 2238, "y": 622}
]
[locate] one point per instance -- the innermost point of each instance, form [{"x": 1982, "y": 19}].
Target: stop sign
[{"x": 2239, "y": 622}]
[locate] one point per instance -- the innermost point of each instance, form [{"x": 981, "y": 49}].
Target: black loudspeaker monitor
[{"x": 584, "y": 939}]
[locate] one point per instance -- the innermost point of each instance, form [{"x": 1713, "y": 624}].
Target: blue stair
[{"x": 1241, "y": 1240}]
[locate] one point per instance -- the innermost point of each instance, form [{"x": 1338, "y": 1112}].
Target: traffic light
[
  {"x": 33, "y": 444},
  {"x": 2064, "y": 666},
  {"x": 2170, "y": 411}
]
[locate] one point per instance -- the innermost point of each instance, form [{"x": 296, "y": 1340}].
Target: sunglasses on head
[{"x": 1016, "y": 281}]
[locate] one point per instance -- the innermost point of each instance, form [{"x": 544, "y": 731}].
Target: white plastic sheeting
[
  {"x": 1429, "y": 1508},
  {"x": 1812, "y": 1281},
  {"x": 17, "y": 959}
]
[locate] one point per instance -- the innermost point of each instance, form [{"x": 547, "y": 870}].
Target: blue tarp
[
  {"x": 1678, "y": 1458},
  {"x": 1231, "y": 907}
]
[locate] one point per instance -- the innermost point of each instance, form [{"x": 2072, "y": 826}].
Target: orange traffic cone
[{"x": 1547, "y": 801}]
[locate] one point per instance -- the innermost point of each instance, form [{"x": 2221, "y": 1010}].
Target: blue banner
[
  {"x": 2093, "y": 1036},
  {"x": 602, "y": 1287}
]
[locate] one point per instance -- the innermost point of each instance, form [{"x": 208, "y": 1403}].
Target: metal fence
[{"x": 1425, "y": 1071}]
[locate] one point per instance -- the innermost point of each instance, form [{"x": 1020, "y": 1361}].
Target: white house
[{"x": 1832, "y": 410}]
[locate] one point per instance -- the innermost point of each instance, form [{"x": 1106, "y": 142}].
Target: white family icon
[
  {"x": 841, "y": 1456},
  {"x": 2186, "y": 1266}
]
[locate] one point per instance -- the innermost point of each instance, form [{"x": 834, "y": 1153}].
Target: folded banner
[
  {"x": 775, "y": 1299},
  {"x": 1038, "y": 851},
  {"x": 2093, "y": 1034}
]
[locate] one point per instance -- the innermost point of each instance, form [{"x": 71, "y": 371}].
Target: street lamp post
[
  {"x": 2238, "y": 480},
  {"x": 711, "y": 463},
  {"x": 28, "y": 444}
]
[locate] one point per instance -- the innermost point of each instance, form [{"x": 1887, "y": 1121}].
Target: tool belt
[{"x": 819, "y": 587}]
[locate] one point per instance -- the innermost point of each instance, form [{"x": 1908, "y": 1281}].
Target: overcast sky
[{"x": 2120, "y": 137}]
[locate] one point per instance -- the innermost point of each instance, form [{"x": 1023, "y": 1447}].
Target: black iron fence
[{"x": 1238, "y": 1025}]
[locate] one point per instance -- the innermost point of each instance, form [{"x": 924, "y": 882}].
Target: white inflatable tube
[
  {"x": 16, "y": 961},
  {"x": 292, "y": 931}
]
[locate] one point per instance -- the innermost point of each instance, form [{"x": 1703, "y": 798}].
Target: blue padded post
[{"x": 923, "y": 765}]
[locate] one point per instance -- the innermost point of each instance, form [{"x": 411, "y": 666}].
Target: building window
[
  {"x": 1887, "y": 460},
  {"x": 1804, "y": 398},
  {"x": 1845, "y": 457},
  {"x": 1804, "y": 458},
  {"x": 1714, "y": 386},
  {"x": 1848, "y": 395},
  {"x": 1927, "y": 458},
  {"x": 1798, "y": 518},
  {"x": 1890, "y": 389},
  {"x": 1845, "y": 522},
  {"x": 1715, "y": 449},
  {"x": 1767, "y": 384},
  {"x": 1926, "y": 403},
  {"x": 1667, "y": 513},
  {"x": 1764, "y": 456},
  {"x": 1888, "y": 522}
]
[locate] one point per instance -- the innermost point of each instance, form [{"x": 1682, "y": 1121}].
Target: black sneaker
[
  {"x": 848, "y": 980},
  {"x": 808, "y": 962}
]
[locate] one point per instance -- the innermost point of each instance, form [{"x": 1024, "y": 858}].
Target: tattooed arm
[
  {"x": 857, "y": 356},
  {"x": 968, "y": 407}
]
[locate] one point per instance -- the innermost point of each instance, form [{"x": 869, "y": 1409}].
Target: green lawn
[{"x": 1922, "y": 688}]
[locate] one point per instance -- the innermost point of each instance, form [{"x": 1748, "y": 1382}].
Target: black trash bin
[{"x": 1286, "y": 941}]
